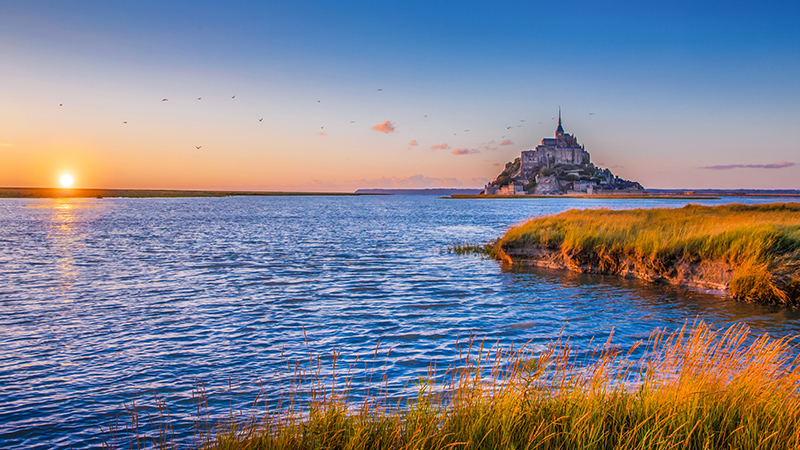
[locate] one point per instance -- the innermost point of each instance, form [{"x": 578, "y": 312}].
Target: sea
[{"x": 183, "y": 310}]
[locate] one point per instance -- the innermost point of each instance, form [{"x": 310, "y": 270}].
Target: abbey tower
[{"x": 562, "y": 149}]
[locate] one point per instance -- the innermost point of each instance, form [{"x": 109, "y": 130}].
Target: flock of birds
[{"x": 261, "y": 119}]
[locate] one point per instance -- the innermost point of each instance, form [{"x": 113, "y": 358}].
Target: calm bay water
[{"x": 106, "y": 301}]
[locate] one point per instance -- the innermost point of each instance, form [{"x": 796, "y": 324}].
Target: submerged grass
[
  {"x": 693, "y": 389},
  {"x": 466, "y": 248},
  {"x": 760, "y": 242}
]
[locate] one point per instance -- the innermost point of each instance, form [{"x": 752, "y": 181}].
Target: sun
[{"x": 67, "y": 180}]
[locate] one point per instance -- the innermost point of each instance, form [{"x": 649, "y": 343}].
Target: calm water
[{"x": 103, "y": 302}]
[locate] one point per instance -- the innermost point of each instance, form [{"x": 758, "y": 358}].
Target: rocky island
[{"x": 559, "y": 165}]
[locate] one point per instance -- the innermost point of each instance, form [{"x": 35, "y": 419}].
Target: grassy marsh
[
  {"x": 695, "y": 388},
  {"x": 759, "y": 244}
]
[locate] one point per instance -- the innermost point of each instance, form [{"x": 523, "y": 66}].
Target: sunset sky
[{"x": 335, "y": 96}]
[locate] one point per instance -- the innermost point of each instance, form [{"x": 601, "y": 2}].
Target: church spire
[{"x": 560, "y": 129}]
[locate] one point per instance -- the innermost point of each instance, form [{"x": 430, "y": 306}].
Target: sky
[{"x": 336, "y": 96}]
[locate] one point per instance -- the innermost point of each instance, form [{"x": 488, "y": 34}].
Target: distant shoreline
[
  {"x": 424, "y": 191},
  {"x": 153, "y": 193},
  {"x": 595, "y": 196},
  {"x": 641, "y": 196}
]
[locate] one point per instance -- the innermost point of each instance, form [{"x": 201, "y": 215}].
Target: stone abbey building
[
  {"x": 559, "y": 165},
  {"x": 562, "y": 149}
]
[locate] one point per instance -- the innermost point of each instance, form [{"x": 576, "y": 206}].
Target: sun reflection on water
[{"x": 65, "y": 238}]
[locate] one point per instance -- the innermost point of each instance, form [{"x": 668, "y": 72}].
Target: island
[{"x": 559, "y": 165}]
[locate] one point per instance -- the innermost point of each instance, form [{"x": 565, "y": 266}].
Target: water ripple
[{"x": 103, "y": 302}]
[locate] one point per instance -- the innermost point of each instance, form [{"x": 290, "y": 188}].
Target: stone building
[{"x": 562, "y": 149}]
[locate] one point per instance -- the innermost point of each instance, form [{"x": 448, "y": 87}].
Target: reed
[
  {"x": 695, "y": 388},
  {"x": 759, "y": 243}
]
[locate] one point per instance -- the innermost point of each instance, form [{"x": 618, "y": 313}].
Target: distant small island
[{"x": 559, "y": 165}]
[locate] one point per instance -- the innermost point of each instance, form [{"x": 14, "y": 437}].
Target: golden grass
[
  {"x": 693, "y": 389},
  {"x": 760, "y": 242}
]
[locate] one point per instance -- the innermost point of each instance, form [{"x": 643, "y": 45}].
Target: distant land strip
[
  {"x": 149, "y": 193},
  {"x": 684, "y": 194},
  {"x": 426, "y": 191},
  {"x": 596, "y": 196}
]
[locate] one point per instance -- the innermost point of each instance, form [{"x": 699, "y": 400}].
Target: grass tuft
[
  {"x": 695, "y": 388},
  {"x": 469, "y": 249}
]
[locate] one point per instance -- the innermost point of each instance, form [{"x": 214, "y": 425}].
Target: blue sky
[{"x": 657, "y": 92}]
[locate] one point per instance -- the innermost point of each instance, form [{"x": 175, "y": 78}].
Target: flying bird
[
  {"x": 379, "y": 90},
  {"x": 233, "y": 96},
  {"x": 319, "y": 101},
  {"x": 60, "y": 104},
  {"x": 521, "y": 120},
  {"x": 199, "y": 98},
  {"x": 164, "y": 100},
  {"x": 466, "y": 131},
  {"x": 198, "y": 147},
  {"x": 352, "y": 121},
  {"x": 508, "y": 128},
  {"x": 261, "y": 119},
  {"x": 125, "y": 122},
  {"x": 591, "y": 114}
]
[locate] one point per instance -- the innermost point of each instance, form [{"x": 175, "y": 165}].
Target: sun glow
[{"x": 67, "y": 180}]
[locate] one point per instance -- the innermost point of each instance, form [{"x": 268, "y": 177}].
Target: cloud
[
  {"x": 487, "y": 147},
  {"x": 413, "y": 143},
  {"x": 440, "y": 147},
  {"x": 507, "y": 142},
  {"x": 465, "y": 151},
  {"x": 384, "y": 127},
  {"x": 777, "y": 165}
]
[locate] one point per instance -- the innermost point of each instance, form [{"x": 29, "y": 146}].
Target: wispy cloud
[
  {"x": 6, "y": 144},
  {"x": 413, "y": 143},
  {"x": 487, "y": 147},
  {"x": 465, "y": 151},
  {"x": 384, "y": 127},
  {"x": 440, "y": 147},
  {"x": 507, "y": 142},
  {"x": 777, "y": 165}
]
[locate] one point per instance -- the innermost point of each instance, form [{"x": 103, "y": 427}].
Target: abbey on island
[{"x": 559, "y": 165}]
